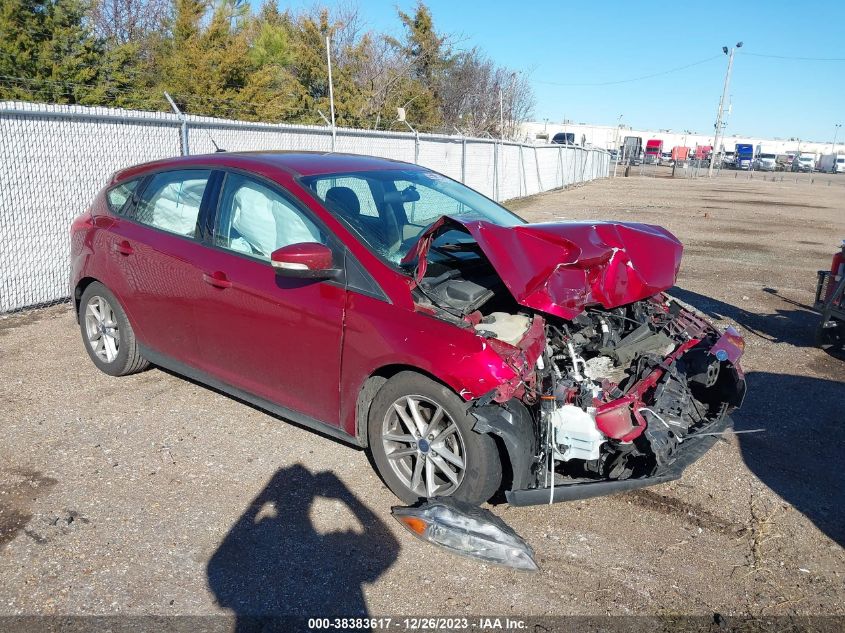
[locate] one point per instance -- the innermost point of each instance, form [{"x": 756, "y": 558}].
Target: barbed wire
[{"x": 233, "y": 107}]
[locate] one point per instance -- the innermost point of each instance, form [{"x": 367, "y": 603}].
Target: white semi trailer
[{"x": 832, "y": 163}]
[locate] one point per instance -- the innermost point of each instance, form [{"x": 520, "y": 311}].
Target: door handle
[
  {"x": 217, "y": 279},
  {"x": 124, "y": 248}
]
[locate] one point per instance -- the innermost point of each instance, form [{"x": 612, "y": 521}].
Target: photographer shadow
[{"x": 275, "y": 564}]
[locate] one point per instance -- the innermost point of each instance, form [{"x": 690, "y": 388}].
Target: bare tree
[
  {"x": 124, "y": 21},
  {"x": 478, "y": 96}
]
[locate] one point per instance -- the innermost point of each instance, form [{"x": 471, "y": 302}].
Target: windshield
[
  {"x": 389, "y": 209},
  {"x": 767, "y": 156}
]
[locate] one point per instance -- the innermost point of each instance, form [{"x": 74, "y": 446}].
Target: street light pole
[
  {"x": 501, "y": 115},
  {"x": 331, "y": 88},
  {"x": 835, "y": 134},
  {"x": 718, "y": 135}
]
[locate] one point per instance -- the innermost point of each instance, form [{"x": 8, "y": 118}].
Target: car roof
[{"x": 297, "y": 163}]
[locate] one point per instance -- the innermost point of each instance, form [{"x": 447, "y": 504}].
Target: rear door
[
  {"x": 273, "y": 337},
  {"x": 153, "y": 245}
]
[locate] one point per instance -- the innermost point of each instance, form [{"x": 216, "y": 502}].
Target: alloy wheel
[
  {"x": 424, "y": 446},
  {"x": 101, "y": 329}
]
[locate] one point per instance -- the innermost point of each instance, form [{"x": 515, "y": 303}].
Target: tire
[
  {"x": 110, "y": 340},
  {"x": 420, "y": 462}
]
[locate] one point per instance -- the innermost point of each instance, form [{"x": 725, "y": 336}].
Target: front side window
[
  {"x": 256, "y": 220},
  {"x": 172, "y": 200}
]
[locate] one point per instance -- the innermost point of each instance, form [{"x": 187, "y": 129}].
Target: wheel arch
[
  {"x": 371, "y": 385},
  {"x": 380, "y": 376},
  {"x": 79, "y": 289}
]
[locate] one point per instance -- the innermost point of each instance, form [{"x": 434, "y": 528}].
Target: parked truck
[
  {"x": 765, "y": 158},
  {"x": 653, "y": 149},
  {"x": 744, "y": 156},
  {"x": 833, "y": 163},
  {"x": 804, "y": 162},
  {"x": 564, "y": 138},
  {"x": 680, "y": 154},
  {"x": 702, "y": 155}
]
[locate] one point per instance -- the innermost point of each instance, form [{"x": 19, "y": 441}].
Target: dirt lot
[{"x": 155, "y": 495}]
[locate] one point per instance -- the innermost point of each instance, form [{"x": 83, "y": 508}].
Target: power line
[
  {"x": 624, "y": 81},
  {"x": 789, "y": 57}
]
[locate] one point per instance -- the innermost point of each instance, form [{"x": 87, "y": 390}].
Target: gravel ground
[{"x": 155, "y": 495}]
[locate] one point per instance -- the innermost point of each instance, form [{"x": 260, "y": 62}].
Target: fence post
[
  {"x": 416, "y": 147},
  {"x": 496, "y": 169},
  {"x": 537, "y": 165},
  {"x": 463, "y": 159},
  {"x": 185, "y": 149},
  {"x": 560, "y": 163}
]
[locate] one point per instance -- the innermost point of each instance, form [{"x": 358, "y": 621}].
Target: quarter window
[
  {"x": 172, "y": 201},
  {"x": 118, "y": 196},
  {"x": 257, "y": 220}
]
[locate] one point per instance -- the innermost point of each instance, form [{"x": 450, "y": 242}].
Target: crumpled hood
[{"x": 562, "y": 267}]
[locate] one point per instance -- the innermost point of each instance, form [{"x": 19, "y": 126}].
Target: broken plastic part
[
  {"x": 467, "y": 530},
  {"x": 575, "y": 433}
]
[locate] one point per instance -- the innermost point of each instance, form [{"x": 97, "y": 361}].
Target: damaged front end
[{"x": 616, "y": 385}]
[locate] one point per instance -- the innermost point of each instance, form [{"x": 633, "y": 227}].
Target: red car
[{"x": 387, "y": 305}]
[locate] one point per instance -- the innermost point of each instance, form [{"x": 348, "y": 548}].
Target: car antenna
[{"x": 217, "y": 150}]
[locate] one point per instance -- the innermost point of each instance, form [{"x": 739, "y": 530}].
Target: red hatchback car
[{"x": 387, "y": 305}]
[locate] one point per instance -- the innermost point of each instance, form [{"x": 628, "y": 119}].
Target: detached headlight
[{"x": 467, "y": 530}]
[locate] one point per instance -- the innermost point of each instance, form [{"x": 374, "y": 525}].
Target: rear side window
[
  {"x": 119, "y": 195},
  {"x": 171, "y": 201}
]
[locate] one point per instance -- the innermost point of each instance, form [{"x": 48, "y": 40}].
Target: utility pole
[
  {"x": 331, "y": 89},
  {"x": 718, "y": 136}
]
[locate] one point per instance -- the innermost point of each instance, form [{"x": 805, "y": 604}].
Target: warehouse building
[{"x": 609, "y": 137}]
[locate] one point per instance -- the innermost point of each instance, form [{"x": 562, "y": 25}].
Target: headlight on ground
[{"x": 467, "y": 530}]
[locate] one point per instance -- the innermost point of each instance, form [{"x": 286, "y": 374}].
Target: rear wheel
[
  {"x": 106, "y": 333},
  {"x": 422, "y": 442},
  {"x": 830, "y": 333}
]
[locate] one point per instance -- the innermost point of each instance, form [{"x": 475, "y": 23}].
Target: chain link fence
[{"x": 55, "y": 158}]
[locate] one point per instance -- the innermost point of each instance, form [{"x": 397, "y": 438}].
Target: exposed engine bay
[{"x": 614, "y": 392}]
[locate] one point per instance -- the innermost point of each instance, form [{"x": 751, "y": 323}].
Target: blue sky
[{"x": 592, "y": 42}]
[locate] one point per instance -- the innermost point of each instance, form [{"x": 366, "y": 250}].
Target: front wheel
[
  {"x": 107, "y": 334},
  {"x": 423, "y": 444}
]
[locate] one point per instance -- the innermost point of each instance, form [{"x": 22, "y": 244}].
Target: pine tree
[
  {"x": 48, "y": 47},
  {"x": 429, "y": 57}
]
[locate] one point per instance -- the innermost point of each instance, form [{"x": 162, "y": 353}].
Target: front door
[{"x": 276, "y": 338}]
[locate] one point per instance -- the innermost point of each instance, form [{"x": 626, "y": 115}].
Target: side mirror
[{"x": 305, "y": 260}]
